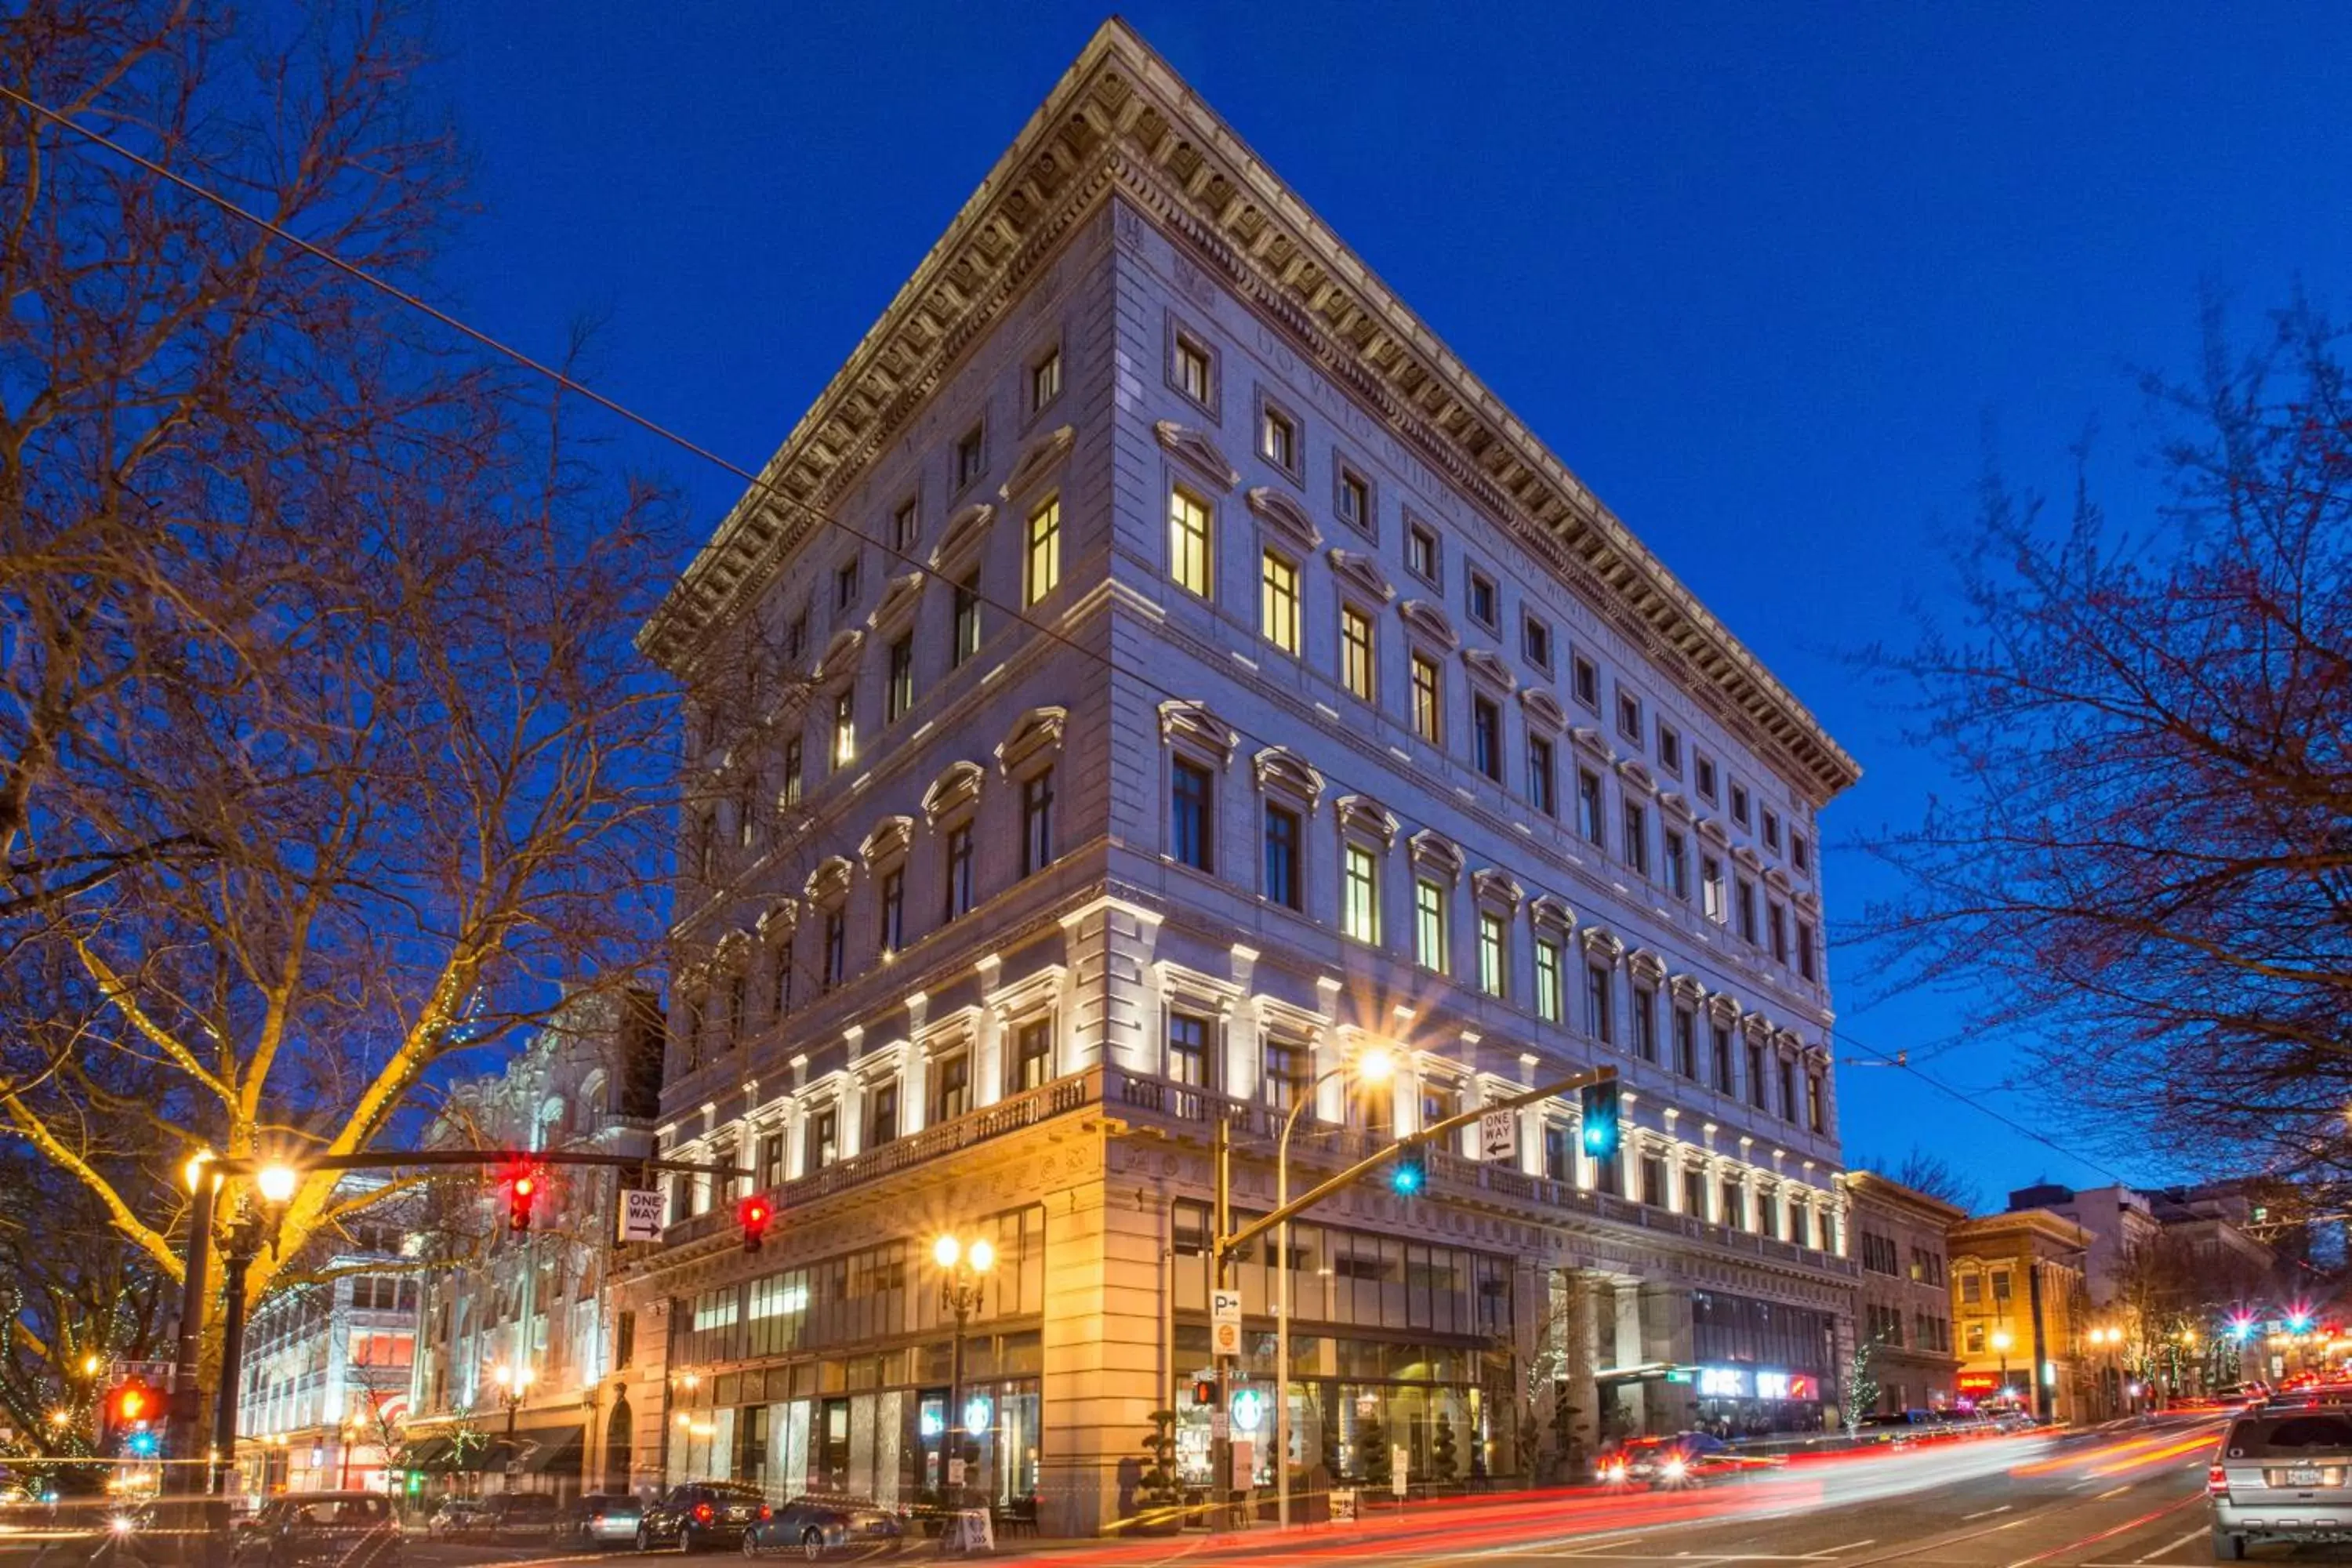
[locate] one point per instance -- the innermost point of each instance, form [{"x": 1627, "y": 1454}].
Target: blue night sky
[{"x": 1775, "y": 280}]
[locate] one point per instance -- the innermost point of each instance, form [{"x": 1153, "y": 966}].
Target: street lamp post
[
  {"x": 512, "y": 1381},
  {"x": 1372, "y": 1067},
  {"x": 2000, "y": 1343},
  {"x": 276, "y": 1185},
  {"x": 963, "y": 1266}
]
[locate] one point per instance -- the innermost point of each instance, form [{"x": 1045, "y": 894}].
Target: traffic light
[
  {"x": 1204, "y": 1392},
  {"x": 131, "y": 1402},
  {"x": 1599, "y": 1101},
  {"x": 523, "y": 1186},
  {"x": 1409, "y": 1175},
  {"x": 755, "y": 1212}
]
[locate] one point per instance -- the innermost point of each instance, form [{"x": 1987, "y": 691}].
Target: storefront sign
[
  {"x": 979, "y": 1414},
  {"x": 1976, "y": 1382},
  {"x": 1722, "y": 1383},
  {"x": 1786, "y": 1385},
  {"x": 1249, "y": 1409},
  {"x": 1742, "y": 1383}
]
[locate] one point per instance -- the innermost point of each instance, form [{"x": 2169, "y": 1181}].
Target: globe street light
[
  {"x": 2000, "y": 1343},
  {"x": 964, "y": 1266},
  {"x": 1375, "y": 1065},
  {"x": 511, "y": 1381}
]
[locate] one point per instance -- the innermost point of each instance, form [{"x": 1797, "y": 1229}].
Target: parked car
[
  {"x": 520, "y": 1514},
  {"x": 600, "y": 1518},
  {"x": 456, "y": 1517},
  {"x": 701, "y": 1514},
  {"x": 814, "y": 1526},
  {"x": 353, "y": 1527},
  {"x": 2284, "y": 1475}
]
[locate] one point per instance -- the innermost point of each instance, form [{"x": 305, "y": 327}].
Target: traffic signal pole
[
  {"x": 1220, "y": 1450},
  {"x": 182, "y": 1477}
]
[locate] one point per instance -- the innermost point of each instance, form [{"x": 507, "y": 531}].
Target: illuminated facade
[{"x": 1187, "y": 681}]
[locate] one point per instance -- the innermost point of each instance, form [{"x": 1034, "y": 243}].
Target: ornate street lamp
[
  {"x": 964, "y": 1266},
  {"x": 512, "y": 1381}
]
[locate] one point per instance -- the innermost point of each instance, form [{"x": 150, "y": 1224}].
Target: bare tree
[
  {"x": 325, "y": 752},
  {"x": 1931, "y": 1173},
  {"x": 2144, "y": 868}
]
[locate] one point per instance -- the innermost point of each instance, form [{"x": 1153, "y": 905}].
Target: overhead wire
[{"x": 665, "y": 433}]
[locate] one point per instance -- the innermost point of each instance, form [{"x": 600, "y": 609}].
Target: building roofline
[
  {"x": 1886, "y": 1190},
  {"x": 1121, "y": 119}
]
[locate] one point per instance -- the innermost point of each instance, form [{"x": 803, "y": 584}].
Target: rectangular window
[
  {"x": 967, "y": 621},
  {"x": 1541, "y": 775},
  {"x": 1695, "y": 1192},
  {"x": 1355, "y": 500},
  {"x": 796, "y": 638},
  {"x": 1188, "y": 1050},
  {"x": 1747, "y": 909},
  {"x": 1188, "y": 543},
  {"x": 1675, "y": 865},
  {"x": 1429, "y": 925},
  {"x": 1645, "y": 1023},
  {"x": 1739, "y": 803},
  {"x": 791, "y": 795},
  {"x": 901, "y": 695},
  {"x": 881, "y": 1113},
  {"x": 1687, "y": 1043},
  {"x": 824, "y": 1140},
  {"x": 1042, "y": 570},
  {"x": 844, "y": 584},
  {"x": 894, "y": 910},
  {"x": 1494, "y": 958},
  {"x": 1816, "y": 1111},
  {"x": 1282, "y": 1074},
  {"x": 1703, "y": 767},
  {"x": 1734, "y": 1204},
  {"x": 959, "y": 868},
  {"x": 1585, "y": 682},
  {"x": 1534, "y": 642},
  {"x": 780, "y": 995},
  {"x": 1355, "y": 668},
  {"x": 1629, "y": 716},
  {"x": 1282, "y": 880},
  {"x": 1424, "y": 557},
  {"x": 1427, "y": 722},
  {"x": 1359, "y": 896},
  {"x": 906, "y": 527},
  {"x": 1046, "y": 380},
  {"x": 2000, "y": 1285},
  {"x": 1801, "y": 854},
  {"x": 1277, "y": 439},
  {"x": 844, "y": 727},
  {"x": 1788, "y": 1089},
  {"x": 836, "y": 947},
  {"x": 1195, "y": 373},
  {"x": 1807, "y": 964},
  {"x": 1767, "y": 1215},
  {"x": 1759, "y": 1091},
  {"x": 1772, "y": 830},
  {"x": 1559, "y": 1152},
  {"x": 950, "y": 1088},
  {"x": 1712, "y": 902},
  {"x": 1972, "y": 1295},
  {"x": 970, "y": 456},
  {"x": 1548, "y": 956},
  {"x": 1776, "y": 926},
  {"x": 1637, "y": 838},
  {"x": 1189, "y": 819},
  {"x": 1033, "y": 1055},
  {"x": 1482, "y": 600},
  {"x": 1036, "y": 821},
  {"x": 1721, "y": 1034},
  {"x": 1486, "y": 738},
  {"x": 1588, "y": 805},
  {"x": 1279, "y": 604},
  {"x": 1670, "y": 749},
  {"x": 1599, "y": 1020},
  {"x": 1653, "y": 1181}
]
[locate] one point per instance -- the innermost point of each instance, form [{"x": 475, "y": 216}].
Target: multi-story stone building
[
  {"x": 1903, "y": 1301},
  {"x": 538, "y": 1306},
  {"x": 1190, "y": 682},
  {"x": 2021, "y": 1306}
]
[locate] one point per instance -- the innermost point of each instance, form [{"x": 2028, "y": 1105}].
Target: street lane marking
[
  {"x": 1988, "y": 1513},
  {"x": 2112, "y": 1492},
  {"x": 2196, "y": 1534},
  {"x": 1833, "y": 1550}
]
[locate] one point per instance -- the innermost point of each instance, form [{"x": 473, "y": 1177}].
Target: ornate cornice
[
  {"x": 1197, "y": 449},
  {"x": 1122, "y": 120},
  {"x": 1281, "y": 510}
]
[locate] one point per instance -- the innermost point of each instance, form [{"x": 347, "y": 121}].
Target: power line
[{"x": 663, "y": 432}]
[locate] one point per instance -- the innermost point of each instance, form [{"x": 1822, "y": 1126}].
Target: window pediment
[
  {"x": 899, "y": 598},
  {"x": 1282, "y": 512},
  {"x": 1356, "y": 567},
  {"x": 1757, "y": 1028},
  {"x": 1687, "y": 989},
  {"x": 1633, "y": 772},
  {"x": 1181, "y": 720},
  {"x": 1037, "y": 459},
  {"x": 1496, "y": 889},
  {"x": 1190, "y": 988},
  {"x": 779, "y": 919},
  {"x": 1362, "y": 814},
  {"x": 1777, "y": 881},
  {"x": 1432, "y": 851},
  {"x": 734, "y": 951},
  {"x": 955, "y": 790},
  {"x": 1677, "y": 803},
  {"x": 888, "y": 840},
  {"x": 1488, "y": 670},
  {"x": 1646, "y": 965},
  {"x": 1606, "y": 946},
  {"x": 1709, "y": 827},
  {"x": 1548, "y": 913},
  {"x": 1196, "y": 449},
  {"x": 963, "y": 534},
  {"x": 1723, "y": 1009},
  {"x": 1543, "y": 708},
  {"x": 1038, "y": 730},
  {"x": 1806, "y": 899},
  {"x": 1282, "y": 772},
  {"x": 1748, "y": 857},
  {"x": 842, "y": 650},
  {"x": 1593, "y": 741},
  {"x": 1429, "y": 622},
  {"x": 829, "y": 883}
]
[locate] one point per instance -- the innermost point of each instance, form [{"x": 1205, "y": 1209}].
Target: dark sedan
[
  {"x": 700, "y": 1515},
  {"x": 295, "y": 1527},
  {"x": 814, "y": 1527}
]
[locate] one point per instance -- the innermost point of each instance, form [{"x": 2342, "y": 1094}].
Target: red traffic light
[
  {"x": 131, "y": 1402},
  {"x": 523, "y": 1186},
  {"x": 753, "y": 1213}
]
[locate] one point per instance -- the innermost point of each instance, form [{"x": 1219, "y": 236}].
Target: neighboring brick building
[
  {"x": 1902, "y": 1301},
  {"x": 1209, "y": 682},
  {"x": 2020, "y": 1307}
]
